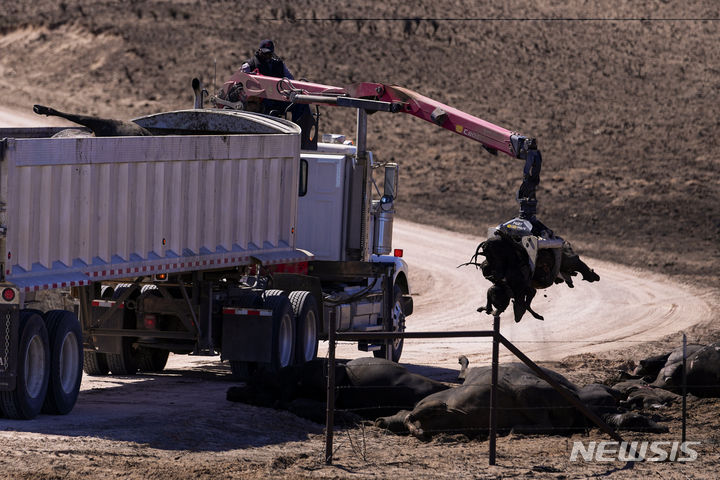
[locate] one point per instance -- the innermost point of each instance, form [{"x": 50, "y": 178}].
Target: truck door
[{"x": 320, "y": 220}]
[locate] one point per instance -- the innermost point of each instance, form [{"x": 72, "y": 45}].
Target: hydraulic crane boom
[
  {"x": 390, "y": 98},
  {"x": 548, "y": 257}
]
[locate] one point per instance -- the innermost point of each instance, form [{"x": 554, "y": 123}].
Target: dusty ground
[
  {"x": 623, "y": 113},
  {"x": 178, "y": 425}
]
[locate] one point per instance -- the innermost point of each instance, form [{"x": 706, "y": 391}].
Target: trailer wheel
[
  {"x": 125, "y": 362},
  {"x": 398, "y": 325},
  {"x": 283, "y": 329},
  {"x": 26, "y": 401},
  {"x": 152, "y": 360},
  {"x": 66, "y": 361},
  {"x": 306, "y": 330},
  {"x": 106, "y": 292},
  {"x": 95, "y": 363}
]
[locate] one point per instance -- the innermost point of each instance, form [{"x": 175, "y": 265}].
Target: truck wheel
[
  {"x": 26, "y": 401},
  {"x": 398, "y": 325},
  {"x": 152, "y": 360},
  {"x": 283, "y": 329},
  {"x": 66, "y": 361},
  {"x": 306, "y": 336},
  {"x": 125, "y": 362},
  {"x": 106, "y": 292},
  {"x": 95, "y": 363}
]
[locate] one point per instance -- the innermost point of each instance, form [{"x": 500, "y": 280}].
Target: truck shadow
[{"x": 178, "y": 409}]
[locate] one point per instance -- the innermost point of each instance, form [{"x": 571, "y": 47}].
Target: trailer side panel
[{"x": 88, "y": 209}]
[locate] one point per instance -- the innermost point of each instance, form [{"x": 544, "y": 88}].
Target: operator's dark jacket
[{"x": 274, "y": 67}]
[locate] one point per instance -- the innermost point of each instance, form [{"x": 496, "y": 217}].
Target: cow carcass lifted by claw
[{"x": 522, "y": 256}]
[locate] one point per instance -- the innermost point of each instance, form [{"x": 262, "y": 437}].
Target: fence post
[
  {"x": 493, "y": 390},
  {"x": 330, "y": 407},
  {"x": 684, "y": 388}
]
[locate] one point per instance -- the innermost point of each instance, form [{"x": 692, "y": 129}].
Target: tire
[
  {"x": 152, "y": 360},
  {"x": 398, "y": 318},
  {"x": 95, "y": 363},
  {"x": 306, "y": 327},
  {"x": 33, "y": 362},
  {"x": 272, "y": 293},
  {"x": 106, "y": 292},
  {"x": 66, "y": 361},
  {"x": 125, "y": 362},
  {"x": 283, "y": 329}
]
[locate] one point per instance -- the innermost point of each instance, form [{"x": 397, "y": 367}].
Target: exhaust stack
[{"x": 200, "y": 93}]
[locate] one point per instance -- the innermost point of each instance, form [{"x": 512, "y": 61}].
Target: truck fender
[{"x": 400, "y": 278}]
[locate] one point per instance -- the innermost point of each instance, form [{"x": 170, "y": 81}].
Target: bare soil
[{"x": 623, "y": 112}]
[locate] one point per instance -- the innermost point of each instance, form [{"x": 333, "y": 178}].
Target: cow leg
[
  {"x": 528, "y": 301},
  {"x": 498, "y": 298},
  {"x": 464, "y": 362},
  {"x": 570, "y": 264},
  {"x": 634, "y": 422},
  {"x": 423, "y": 418},
  {"x": 394, "y": 423},
  {"x": 488, "y": 305}
]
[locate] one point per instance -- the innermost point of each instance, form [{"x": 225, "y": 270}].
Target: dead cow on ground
[
  {"x": 526, "y": 404},
  {"x": 367, "y": 387}
]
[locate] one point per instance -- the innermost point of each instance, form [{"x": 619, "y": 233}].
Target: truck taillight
[
  {"x": 398, "y": 252},
  {"x": 8, "y": 294},
  {"x": 150, "y": 322}
]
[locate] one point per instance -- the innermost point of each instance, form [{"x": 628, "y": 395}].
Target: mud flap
[
  {"x": 247, "y": 335},
  {"x": 104, "y": 343}
]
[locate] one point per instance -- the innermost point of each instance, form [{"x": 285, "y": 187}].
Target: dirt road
[{"x": 624, "y": 309}]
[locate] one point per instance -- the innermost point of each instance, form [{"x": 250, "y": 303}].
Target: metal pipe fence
[{"x": 497, "y": 339}]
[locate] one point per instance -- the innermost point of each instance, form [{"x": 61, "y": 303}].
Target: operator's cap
[{"x": 267, "y": 46}]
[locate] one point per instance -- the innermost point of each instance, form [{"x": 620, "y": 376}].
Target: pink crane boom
[
  {"x": 404, "y": 100},
  {"x": 379, "y": 97}
]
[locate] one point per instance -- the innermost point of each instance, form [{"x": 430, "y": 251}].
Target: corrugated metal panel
[{"x": 110, "y": 207}]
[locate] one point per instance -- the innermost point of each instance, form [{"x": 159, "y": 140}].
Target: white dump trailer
[{"x": 216, "y": 235}]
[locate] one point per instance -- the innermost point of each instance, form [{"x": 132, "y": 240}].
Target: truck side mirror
[{"x": 391, "y": 181}]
